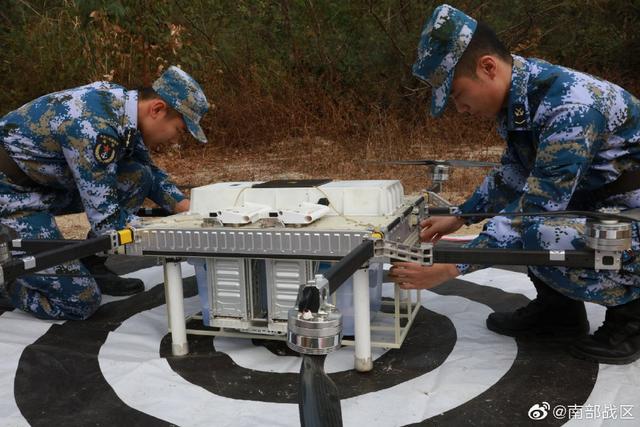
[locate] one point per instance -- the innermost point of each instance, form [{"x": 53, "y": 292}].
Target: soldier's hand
[
  {"x": 183, "y": 206},
  {"x": 433, "y": 228},
  {"x": 415, "y": 276}
]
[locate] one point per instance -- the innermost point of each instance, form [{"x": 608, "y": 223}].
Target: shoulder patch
[{"x": 105, "y": 149}]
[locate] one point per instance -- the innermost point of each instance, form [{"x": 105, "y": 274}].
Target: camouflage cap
[
  {"x": 443, "y": 41},
  {"x": 185, "y": 95}
]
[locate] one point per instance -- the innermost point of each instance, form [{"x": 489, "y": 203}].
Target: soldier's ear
[
  {"x": 157, "y": 108},
  {"x": 487, "y": 66}
]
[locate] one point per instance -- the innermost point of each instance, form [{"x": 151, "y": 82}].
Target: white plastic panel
[
  {"x": 365, "y": 198},
  {"x": 284, "y": 278},
  {"x": 227, "y": 278},
  {"x": 349, "y": 198},
  {"x": 214, "y": 197}
]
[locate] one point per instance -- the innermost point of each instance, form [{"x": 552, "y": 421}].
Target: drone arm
[
  {"x": 348, "y": 265},
  {"x": 30, "y": 246},
  {"x": 493, "y": 256},
  {"x": 16, "y": 267}
]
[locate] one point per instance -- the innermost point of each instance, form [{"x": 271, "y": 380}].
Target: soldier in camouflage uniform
[
  {"x": 85, "y": 149},
  {"x": 573, "y": 141}
]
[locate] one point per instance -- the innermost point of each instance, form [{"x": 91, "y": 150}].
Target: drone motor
[
  {"x": 315, "y": 326},
  {"x": 609, "y": 238}
]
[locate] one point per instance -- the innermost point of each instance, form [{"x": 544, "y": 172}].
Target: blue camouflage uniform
[
  {"x": 81, "y": 150},
  {"x": 568, "y": 135}
]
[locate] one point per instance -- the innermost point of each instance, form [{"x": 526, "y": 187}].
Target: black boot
[
  {"x": 550, "y": 316},
  {"x": 7, "y": 234},
  {"x": 617, "y": 341},
  {"x": 5, "y": 303},
  {"x": 109, "y": 282},
  {"x": 5, "y": 296}
]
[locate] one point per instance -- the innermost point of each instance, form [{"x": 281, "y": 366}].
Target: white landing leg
[
  {"x": 362, "y": 322},
  {"x": 175, "y": 306}
]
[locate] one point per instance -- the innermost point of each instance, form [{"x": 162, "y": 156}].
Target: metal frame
[
  {"x": 352, "y": 247},
  {"x": 255, "y": 243},
  {"x": 404, "y": 308},
  {"x": 406, "y": 304},
  {"x": 363, "y": 326}
]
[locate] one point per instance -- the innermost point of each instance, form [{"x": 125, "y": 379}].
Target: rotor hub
[
  {"x": 440, "y": 173},
  {"x": 608, "y": 235},
  {"x": 314, "y": 333}
]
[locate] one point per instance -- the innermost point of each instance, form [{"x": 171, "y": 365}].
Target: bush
[{"x": 276, "y": 67}]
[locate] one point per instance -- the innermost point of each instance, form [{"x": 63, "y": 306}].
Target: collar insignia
[{"x": 519, "y": 114}]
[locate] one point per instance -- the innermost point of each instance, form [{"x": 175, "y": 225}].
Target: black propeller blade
[
  {"x": 430, "y": 162},
  {"x": 318, "y": 399},
  {"x": 627, "y": 215}
]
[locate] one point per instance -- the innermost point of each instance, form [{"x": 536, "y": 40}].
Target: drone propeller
[
  {"x": 318, "y": 399},
  {"x": 605, "y": 214},
  {"x": 430, "y": 162}
]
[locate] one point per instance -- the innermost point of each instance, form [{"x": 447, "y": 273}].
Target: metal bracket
[
  {"x": 414, "y": 217},
  {"x": 114, "y": 239},
  {"x": 557, "y": 255},
  {"x": 5, "y": 254},
  {"x": 320, "y": 281},
  {"x": 29, "y": 262},
  {"x": 114, "y": 243},
  {"x": 608, "y": 260},
  {"x": 422, "y": 254}
]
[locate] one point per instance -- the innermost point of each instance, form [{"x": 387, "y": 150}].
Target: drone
[{"x": 314, "y": 324}]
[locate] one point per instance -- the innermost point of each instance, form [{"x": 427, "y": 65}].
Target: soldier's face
[
  {"x": 482, "y": 94},
  {"x": 474, "y": 96},
  {"x": 163, "y": 129}
]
